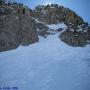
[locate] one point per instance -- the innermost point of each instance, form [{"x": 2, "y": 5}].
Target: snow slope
[
  {"x": 57, "y": 26},
  {"x": 47, "y": 65}
]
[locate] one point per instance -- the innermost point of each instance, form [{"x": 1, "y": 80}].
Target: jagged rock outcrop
[
  {"x": 77, "y": 33},
  {"x": 28, "y": 30},
  {"x": 42, "y": 29},
  {"x": 76, "y": 39},
  {"x": 17, "y": 29},
  {"x": 53, "y": 14},
  {"x": 18, "y": 25}
]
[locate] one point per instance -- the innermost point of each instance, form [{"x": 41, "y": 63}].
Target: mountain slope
[
  {"x": 47, "y": 65},
  {"x": 53, "y": 14},
  {"x": 20, "y": 25}
]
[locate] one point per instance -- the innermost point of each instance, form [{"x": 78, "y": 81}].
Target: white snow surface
[
  {"x": 37, "y": 21},
  {"x": 53, "y": 26},
  {"x": 57, "y": 26},
  {"x": 49, "y": 64}
]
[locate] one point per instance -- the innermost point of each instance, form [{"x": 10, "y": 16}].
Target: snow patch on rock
[{"x": 57, "y": 26}]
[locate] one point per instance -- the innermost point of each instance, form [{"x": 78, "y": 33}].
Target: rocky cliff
[
  {"x": 20, "y": 25},
  {"x": 77, "y": 32},
  {"x": 53, "y": 14},
  {"x": 16, "y": 28}
]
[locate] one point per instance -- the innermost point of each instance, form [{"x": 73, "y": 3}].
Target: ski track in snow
[{"x": 49, "y": 64}]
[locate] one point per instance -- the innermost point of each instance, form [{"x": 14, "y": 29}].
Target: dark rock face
[
  {"x": 28, "y": 30},
  {"x": 76, "y": 39},
  {"x": 16, "y": 30},
  {"x": 42, "y": 30},
  {"x": 9, "y": 33},
  {"x": 59, "y": 30}
]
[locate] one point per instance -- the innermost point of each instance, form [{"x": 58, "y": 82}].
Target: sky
[{"x": 81, "y": 7}]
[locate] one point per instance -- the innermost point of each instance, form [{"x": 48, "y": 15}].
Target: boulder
[
  {"x": 42, "y": 29},
  {"x": 75, "y": 39}
]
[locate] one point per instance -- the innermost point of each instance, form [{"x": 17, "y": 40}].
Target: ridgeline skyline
[{"x": 81, "y": 7}]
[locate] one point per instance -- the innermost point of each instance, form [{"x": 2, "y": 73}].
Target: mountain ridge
[{"x": 18, "y": 25}]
